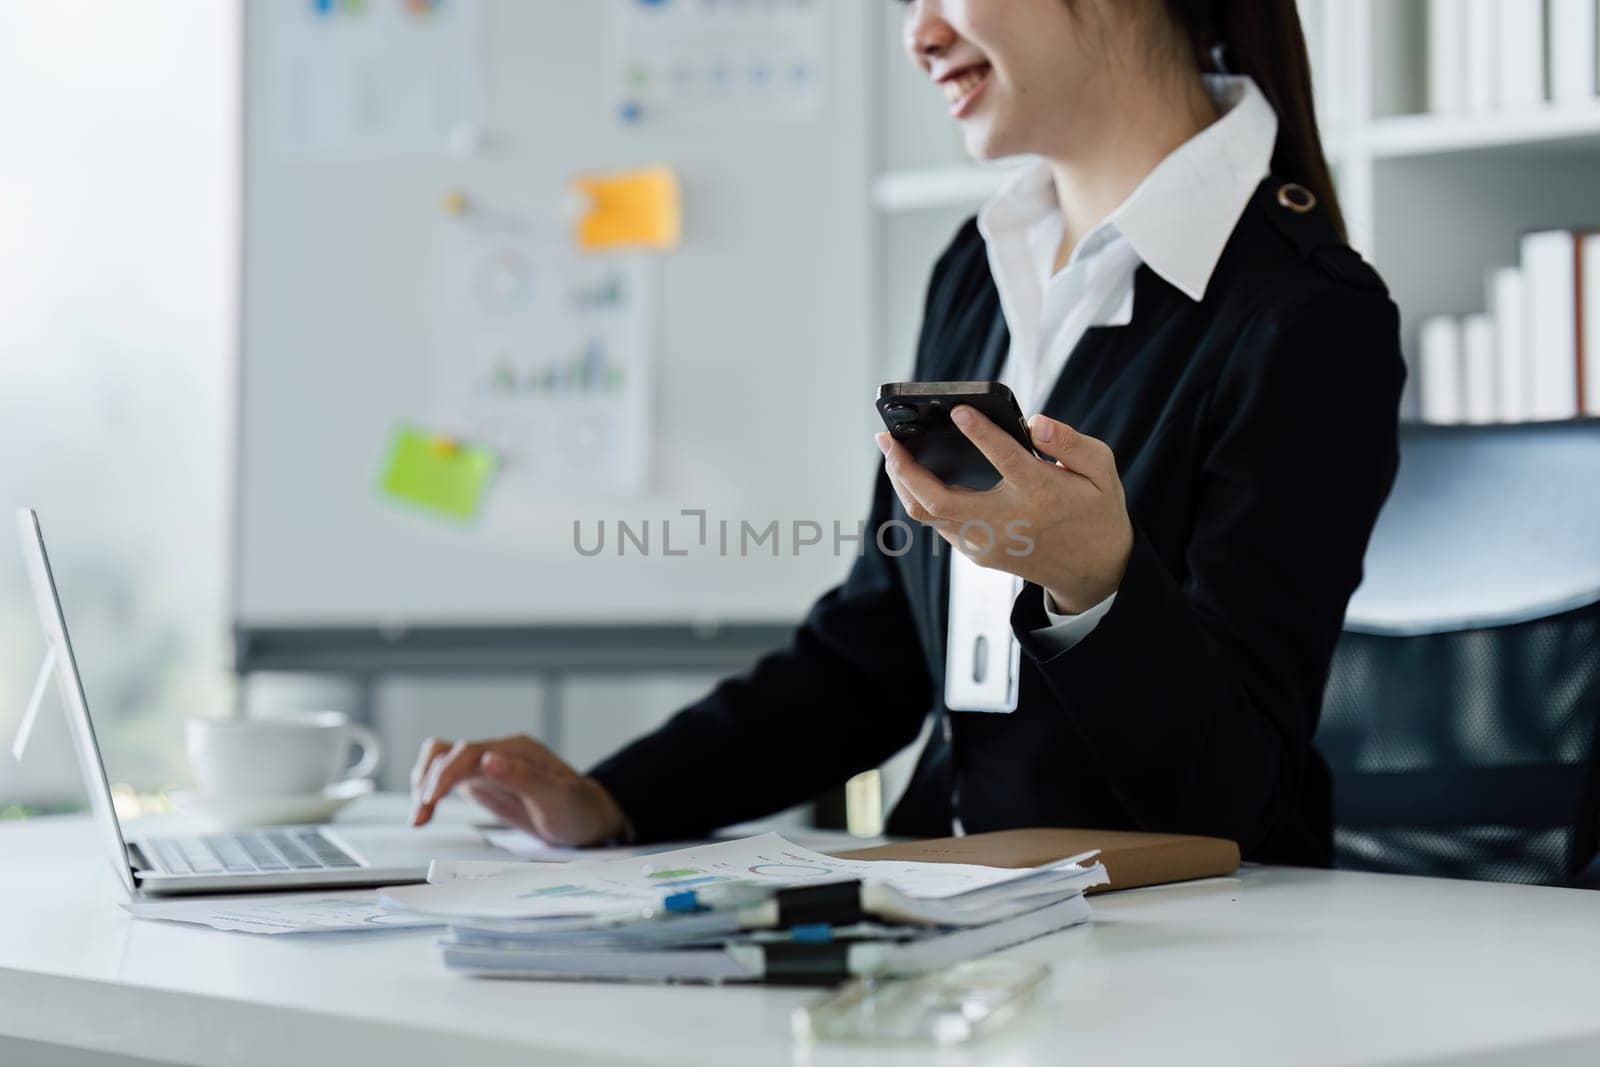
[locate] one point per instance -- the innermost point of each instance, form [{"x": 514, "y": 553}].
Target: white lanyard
[{"x": 983, "y": 658}]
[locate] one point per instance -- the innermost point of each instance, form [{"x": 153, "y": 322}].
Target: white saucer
[{"x": 271, "y": 810}]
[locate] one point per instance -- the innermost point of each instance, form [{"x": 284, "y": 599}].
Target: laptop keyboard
[{"x": 246, "y": 853}]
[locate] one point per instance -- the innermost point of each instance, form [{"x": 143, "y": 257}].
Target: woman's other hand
[
  {"x": 520, "y": 781},
  {"x": 1063, "y": 526}
]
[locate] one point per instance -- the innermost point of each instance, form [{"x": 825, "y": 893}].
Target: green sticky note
[{"x": 437, "y": 472}]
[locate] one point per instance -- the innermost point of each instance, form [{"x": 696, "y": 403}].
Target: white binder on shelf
[
  {"x": 1552, "y": 266},
  {"x": 1442, "y": 400},
  {"x": 1589, "y": 337},
  {"x": 1507, "y": 307},
  {"x": 1519, "y": 44},
  {"x": 1478, "y": 367},
  {"x": 1447, "y": 54},
  {"x": 1574, "y": 49},
  {"x": 1480, "y": 65}
]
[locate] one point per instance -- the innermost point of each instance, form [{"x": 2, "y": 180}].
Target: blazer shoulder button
[
  {"x": 1296, "y": 214},
  {"x": 1296, "y": 198}
]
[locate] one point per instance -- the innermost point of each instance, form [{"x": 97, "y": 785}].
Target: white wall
[{"x": 117, "y": 190}]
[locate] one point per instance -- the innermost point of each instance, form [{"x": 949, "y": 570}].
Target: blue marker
[
  {"x": 717, "y": 898},
  {"x": 811, "y": 934}
]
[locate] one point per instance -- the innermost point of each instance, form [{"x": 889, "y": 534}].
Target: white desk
[{"x": 1278, "y": 966}]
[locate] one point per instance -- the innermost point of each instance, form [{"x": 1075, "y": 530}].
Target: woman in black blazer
[{"x": 1218, "y": 378}]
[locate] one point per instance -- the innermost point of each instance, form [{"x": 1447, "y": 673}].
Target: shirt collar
[{"x": 1179, "y": 218}]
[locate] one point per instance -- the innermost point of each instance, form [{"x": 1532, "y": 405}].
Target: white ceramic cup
[{"x": 283, "y": 754}]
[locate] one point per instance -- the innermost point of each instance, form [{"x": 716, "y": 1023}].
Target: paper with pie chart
[
  {"x": 543, "y": 355},
  {"x": 620, "y": 889}
]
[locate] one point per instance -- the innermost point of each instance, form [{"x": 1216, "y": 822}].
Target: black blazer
[{"x": 1256, "y": 436}]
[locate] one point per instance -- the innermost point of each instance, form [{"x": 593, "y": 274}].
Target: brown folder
[{"x": 1132, "y": 859}]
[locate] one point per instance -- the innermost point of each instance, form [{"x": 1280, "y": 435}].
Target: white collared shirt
[{"x": 1177, "y": 221}]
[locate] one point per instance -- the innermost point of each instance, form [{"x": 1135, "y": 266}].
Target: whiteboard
[{"x": 762, "y": 377}]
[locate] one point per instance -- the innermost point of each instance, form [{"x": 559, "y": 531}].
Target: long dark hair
[{"x": 1263, "y": 39}]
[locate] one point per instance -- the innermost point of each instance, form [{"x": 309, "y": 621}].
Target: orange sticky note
[{"x": 630, "y": 209}]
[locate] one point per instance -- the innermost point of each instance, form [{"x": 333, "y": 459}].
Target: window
[{"x": 118, "y": 190}]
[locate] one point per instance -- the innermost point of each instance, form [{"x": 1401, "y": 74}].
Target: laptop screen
[{"x": 70, "y": 687}]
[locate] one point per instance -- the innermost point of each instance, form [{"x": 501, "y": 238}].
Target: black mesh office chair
[{"x": 1462, "y": 718}]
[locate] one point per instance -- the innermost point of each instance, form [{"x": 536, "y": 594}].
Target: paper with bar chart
[
  {"x": 543, "y": 354},
  {"x": 698, "y": 59}
]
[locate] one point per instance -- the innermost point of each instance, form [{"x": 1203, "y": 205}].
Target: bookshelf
[
  {"x": 1547, "y": 126},
  {"x": 1434, "y": 201}
]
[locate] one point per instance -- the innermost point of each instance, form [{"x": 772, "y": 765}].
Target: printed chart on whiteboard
[
  {"x": 357, "y": 80},
  {"x": 544, "y": 355},
  {"x": 761, "y": 59}
]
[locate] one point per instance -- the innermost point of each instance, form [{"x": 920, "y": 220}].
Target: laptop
[{"x": 286, "y": 857}]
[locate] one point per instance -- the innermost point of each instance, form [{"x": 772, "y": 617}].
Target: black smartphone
[{"x": 918, "y": 415}]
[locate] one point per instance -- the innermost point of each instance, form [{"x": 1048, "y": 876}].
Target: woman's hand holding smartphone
[{"x": 1076, "y": 535}]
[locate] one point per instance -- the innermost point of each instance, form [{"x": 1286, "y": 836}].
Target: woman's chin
[
  {"x": 980, "y": 152},
  {"x": 983, "y": 143}
]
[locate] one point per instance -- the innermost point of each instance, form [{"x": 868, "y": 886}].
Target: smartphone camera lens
[{"x": 902, "y": 420}]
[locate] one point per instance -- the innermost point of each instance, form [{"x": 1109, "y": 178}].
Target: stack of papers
[
  {"x": 761, "y": 908},
  {"x": 336, "y": 911}
]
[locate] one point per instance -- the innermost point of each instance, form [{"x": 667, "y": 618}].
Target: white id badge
[{"x": 982, "y": 657}]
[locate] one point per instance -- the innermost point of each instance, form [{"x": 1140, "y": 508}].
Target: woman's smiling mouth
[{"x": 962, "y": 88}]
